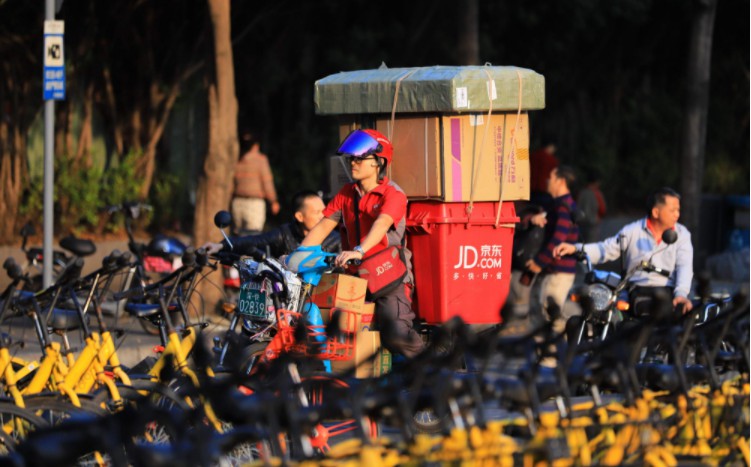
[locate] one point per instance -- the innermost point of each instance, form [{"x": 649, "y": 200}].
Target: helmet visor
[{"x": 359, "y": 144}]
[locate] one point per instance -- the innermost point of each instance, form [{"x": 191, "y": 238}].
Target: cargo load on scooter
[{"x": 463, "y": 138}]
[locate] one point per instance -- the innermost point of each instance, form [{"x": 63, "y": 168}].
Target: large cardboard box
[
  {"x": 340, "y": 290},
  {"x": 367, "y": 342},
  {"x": 454, "y": 158},
  {"x": 370, "y": 359}
]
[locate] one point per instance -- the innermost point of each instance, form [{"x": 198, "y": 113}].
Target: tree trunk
[
  {"x": 215, "y": 182},
  {"x": 156, "y": 127},
  {"x": 695, "y": 115},
  {"x": 111, "y": 106},
  {"x": 12, "y": 177},
  {"x": 469, "y": 42}
]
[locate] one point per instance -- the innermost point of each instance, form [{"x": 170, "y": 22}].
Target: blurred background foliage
[{"x": 615, "y": 86}]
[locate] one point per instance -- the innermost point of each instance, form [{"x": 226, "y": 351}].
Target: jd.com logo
[
  {"x": 383, "y": 268},
  {"x": 489, "y": 257}
]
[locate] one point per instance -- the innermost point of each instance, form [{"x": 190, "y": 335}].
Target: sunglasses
[{"x": 359, "y": 160}]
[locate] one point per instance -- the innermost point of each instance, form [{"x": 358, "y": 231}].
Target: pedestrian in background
[
  {"x": 541, "y": 162},
  {"x": 557, "y": 273},
  {"x": 591, "y": 208},
  {"x": 254, "y": 186}
]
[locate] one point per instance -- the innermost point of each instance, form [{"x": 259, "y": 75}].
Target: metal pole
[{"x": 49, "y": 167}]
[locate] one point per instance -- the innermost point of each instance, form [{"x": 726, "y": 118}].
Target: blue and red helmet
[{"x": 362, "y": 143}]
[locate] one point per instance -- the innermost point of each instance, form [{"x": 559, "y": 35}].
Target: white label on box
[
  {"x": 462, "y": 98},
  {"x": 476, "y": 120},
  {"x": 491, "y": 91}
]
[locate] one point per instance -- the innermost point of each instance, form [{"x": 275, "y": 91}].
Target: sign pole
[{"x": 54, "y": 89}]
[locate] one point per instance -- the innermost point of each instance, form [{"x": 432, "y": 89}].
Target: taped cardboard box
[
  {"x": 453, "y": 158},
  {"x": 371, "y": 360},
  {"x": 340, "y": 290},
  {"x": 353, "y": 320},
  {"x": 440, "y": 89}
]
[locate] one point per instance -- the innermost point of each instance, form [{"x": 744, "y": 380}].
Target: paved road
[{"x": 134, "y": 345}]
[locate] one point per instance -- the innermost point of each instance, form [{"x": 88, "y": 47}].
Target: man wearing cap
[{"x": 382, "y": 209}]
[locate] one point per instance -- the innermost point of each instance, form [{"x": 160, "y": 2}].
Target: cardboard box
[
  {"x": 367, "y": 344},
  {"x": 340, "y": 290},
  {"x": 455, "y": 158},
  {"x": 353, "y": 320}
]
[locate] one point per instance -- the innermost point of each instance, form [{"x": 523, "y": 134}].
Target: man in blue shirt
[{"x": 641, "y": 240}]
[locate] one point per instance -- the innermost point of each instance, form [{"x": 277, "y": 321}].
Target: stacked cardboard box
[
  {"x": 452, "y": 158},
  {"x": 343, "y": 292},
  {"x": 459, "y": 133}
]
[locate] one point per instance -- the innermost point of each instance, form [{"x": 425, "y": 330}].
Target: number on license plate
[{"x": 252, "y": 300}]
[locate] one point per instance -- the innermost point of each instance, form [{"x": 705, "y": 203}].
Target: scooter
[
  {"x": 267, "y": 287},
  {"x": 607, "y": 295}
]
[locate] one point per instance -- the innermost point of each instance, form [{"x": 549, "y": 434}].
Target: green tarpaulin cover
[{"x": 453, "y": 89}]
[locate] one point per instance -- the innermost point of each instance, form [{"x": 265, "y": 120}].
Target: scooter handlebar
[{"x": 649, "y": 267}]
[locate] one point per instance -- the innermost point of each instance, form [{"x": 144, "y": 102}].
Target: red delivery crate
[{"x": 461, "y": 262}]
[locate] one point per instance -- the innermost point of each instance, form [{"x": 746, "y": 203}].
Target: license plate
[{"x": 252, "y": 301}]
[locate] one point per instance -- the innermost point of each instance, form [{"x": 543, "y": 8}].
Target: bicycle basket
[{"x": 316, "y": 344}]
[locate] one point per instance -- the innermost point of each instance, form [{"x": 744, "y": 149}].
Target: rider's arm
[
  {"x": 381, "y": 225},
  {"x": 610, "y": 248},
  {"x": 684, "y": 264},
  {"x": 318, "y": 234}
]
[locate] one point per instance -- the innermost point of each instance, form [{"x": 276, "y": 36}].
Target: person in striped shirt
[{"x": 557, "y": 273}]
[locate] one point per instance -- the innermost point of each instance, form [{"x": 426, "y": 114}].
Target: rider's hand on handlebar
[
  {"x": 564, "y": 249},
  {"x": 684, "y": 302},
  {"x": 344, "y": 256},
  {"x": 212, "y": 248}
]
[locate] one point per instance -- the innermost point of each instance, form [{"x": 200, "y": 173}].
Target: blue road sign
[{"x": 54, "y": 60}]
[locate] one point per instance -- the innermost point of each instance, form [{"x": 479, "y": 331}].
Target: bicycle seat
[
  {"x": 79, "y": 246},
  {"x": 142, "y": 310},
  {"x": 64, "y": 319}
]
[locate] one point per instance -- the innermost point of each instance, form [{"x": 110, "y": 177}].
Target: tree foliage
[{"x": 615, "y": 79}]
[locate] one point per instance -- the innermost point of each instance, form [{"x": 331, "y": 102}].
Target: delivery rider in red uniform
[{"x": 382, "y": 219}]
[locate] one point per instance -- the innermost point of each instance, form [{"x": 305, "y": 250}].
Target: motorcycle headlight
[{"x": 600, "y": 296}]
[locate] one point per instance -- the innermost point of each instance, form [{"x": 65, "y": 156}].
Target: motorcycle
[{"x": 607, "y": 297}]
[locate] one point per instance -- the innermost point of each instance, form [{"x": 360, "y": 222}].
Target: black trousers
[
  {"x": 641, "y": 299},
  {"x": 395, "y": 320}
]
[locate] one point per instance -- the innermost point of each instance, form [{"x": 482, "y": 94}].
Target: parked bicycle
[
  {"x": 73, "y": 248},
  {"x": 154, "y": 260}
]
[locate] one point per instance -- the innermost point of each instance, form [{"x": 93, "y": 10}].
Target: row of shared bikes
[{"x": 660, "y": 388}]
